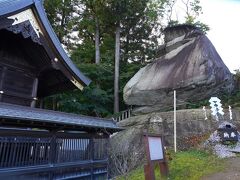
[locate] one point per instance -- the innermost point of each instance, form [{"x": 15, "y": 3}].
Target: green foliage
[
  {"x": 126, "y": 73},
  {"x": 63, "y": 15},
  {"x": 138, "y": 20},
  {"x": 203, "y": 27},
  {"x": 230, "y": 144},
  {"x": 192, "y": 11},
  {"x": 232, "y": 100},
  {"x": 237, "y": 72},
  {"x": 92, "y": 101},
  {"x": 96, "y": 99},
  {"x": 187, "y": 165},
  {"x": 226, "y": 100},
  {"x": 173, "y": 23},
  {"x": 85, "y": 52},
  {"x": 199, "y": 104}
]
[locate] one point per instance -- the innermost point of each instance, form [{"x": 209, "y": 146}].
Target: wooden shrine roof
[
  {"x": 15, "y": 115},
  {"x": 23, "y": 12}
]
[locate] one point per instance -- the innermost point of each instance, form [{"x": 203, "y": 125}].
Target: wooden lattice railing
[
  {"x": 40, "y": 155},
  {"x": 123, "y": 115}
]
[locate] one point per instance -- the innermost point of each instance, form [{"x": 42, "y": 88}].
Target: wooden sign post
[{"x": 155, "y": 153}]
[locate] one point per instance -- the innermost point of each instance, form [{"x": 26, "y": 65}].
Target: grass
[{"x": 185, "y": 165}]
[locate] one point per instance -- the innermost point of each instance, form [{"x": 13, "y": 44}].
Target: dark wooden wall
[
  {"x": 18, "y": 78},
  {"x": 35, "y": 69}
]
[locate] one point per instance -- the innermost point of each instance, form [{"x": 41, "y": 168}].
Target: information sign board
[{"x": 155, "y": 148}]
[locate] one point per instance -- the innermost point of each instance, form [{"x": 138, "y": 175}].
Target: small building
[{"x": 36, "y": 143}]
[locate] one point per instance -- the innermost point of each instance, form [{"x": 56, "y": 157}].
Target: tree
[
  {"x": 128, "y": 32},
  {"x": 169, "y": 11},
  {"x": 116, "y": 76},
  {"x": 123, "y": 35},
  {"x": 192, "y": 10},
  {"x": 134, "y": 21},
  {"x": 63, "y": 15},
  {"x": 97, "y": 43},
  {"x": 94, "y": 9}
]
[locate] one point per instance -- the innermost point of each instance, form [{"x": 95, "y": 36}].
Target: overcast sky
[{"x": 223, "y": 18}]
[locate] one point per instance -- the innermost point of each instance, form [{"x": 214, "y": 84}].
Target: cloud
[{"x": 222, "y": 17}]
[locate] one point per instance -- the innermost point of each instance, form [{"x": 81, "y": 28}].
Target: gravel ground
[
  {"x": 232, "y": 172},
  {"x": 222, "y": 151}
]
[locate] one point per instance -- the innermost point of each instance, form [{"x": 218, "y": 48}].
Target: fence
[
  {"x": 43, "y": 155},
  {"x": 123, "y": 115}
]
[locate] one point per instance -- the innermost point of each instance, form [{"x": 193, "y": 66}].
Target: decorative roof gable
[{"x": 27, "y": 17}]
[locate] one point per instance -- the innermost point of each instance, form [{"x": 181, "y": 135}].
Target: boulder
[{"x": 189, "y": 64}]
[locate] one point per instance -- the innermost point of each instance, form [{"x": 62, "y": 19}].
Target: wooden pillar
[
  {"x": 149, "y": 171},
  {"x": 54, "y": 104},
  {"x": 163, "y": 169},
  {"x": 107, "y": 152},
  {"x": 34, "y": 92},
  {"x": 41, "y": 103},
  {"x": 92, "y": 156},
  {"x": 53, "y": 153},
  {"x": 1, "y": 82}
]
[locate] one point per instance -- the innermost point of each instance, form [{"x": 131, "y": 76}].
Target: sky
[{"x": 223, "y": 18}]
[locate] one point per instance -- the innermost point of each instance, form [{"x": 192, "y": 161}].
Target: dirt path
[{"x": 232, "y": 171}]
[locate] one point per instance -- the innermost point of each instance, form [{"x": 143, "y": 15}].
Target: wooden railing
[
  {"x": 123, "y": 115},
  {"x": 40, "y": 155}
]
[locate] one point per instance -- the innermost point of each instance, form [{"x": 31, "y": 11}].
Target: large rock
[{"x": 189, "y": 63}]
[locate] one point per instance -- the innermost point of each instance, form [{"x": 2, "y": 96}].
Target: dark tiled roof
[
  {"x": 10, "y": 6},
  {"x": 55, "y": 40},
  {"x": 9, "y": 111}
]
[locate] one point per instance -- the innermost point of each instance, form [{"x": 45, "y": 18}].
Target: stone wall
[{"x": 189, "y": 123}]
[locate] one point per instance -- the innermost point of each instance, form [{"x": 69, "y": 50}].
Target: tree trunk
[
  {"x": 62, "y": 23},
  {"x": 127, "y": 48},
  {"x": 54, "y": 104},
  {"x": 116, "y": 77},
  {"x": 97, "y": 44}
]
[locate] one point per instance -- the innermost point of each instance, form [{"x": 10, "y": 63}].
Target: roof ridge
[
  {"x": 10, "y": 111},
  {"x": 2, "y": 104}
]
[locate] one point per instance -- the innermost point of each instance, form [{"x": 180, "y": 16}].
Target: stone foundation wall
[{"x": 189, "y": 123}]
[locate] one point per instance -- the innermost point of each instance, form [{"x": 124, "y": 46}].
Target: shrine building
[{"x": 36, "y": 143}]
